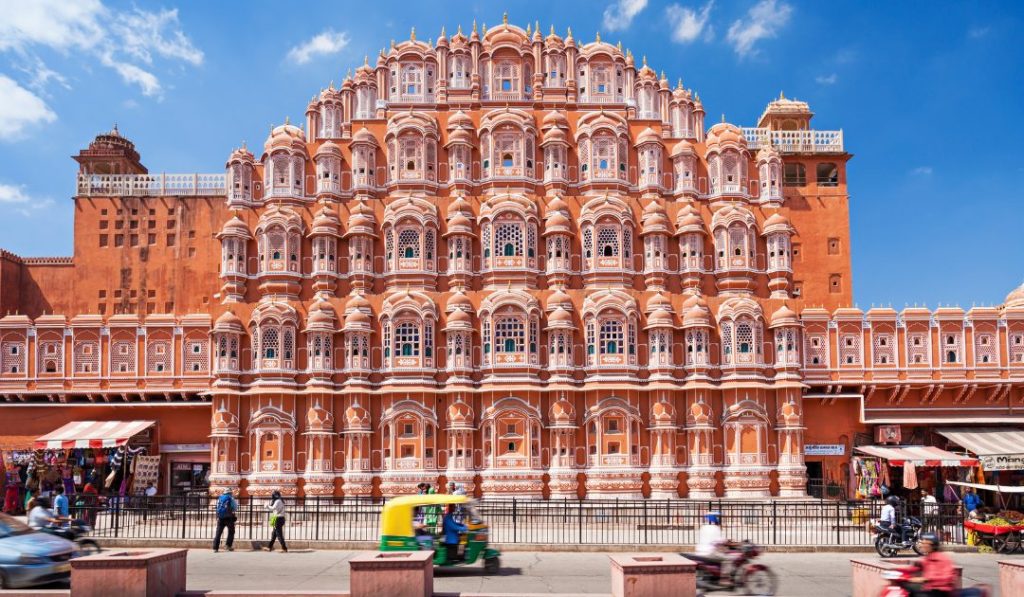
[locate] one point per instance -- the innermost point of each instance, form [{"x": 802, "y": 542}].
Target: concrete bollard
[
  {"x": 1011, "y": 577},
  {"x": 653, "y": 575},
  {"x": 394, "y": 573},
  {"x": 867, "y": 578},
  {"x": 130, "y": 573}
]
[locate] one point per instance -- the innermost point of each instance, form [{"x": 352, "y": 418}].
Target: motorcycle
[
  {"x": 745, "y": 576},
  {"x": 889, "y": 542},
  {"x": 76, "y": 532},
  {"x": 902, "y": 584}
]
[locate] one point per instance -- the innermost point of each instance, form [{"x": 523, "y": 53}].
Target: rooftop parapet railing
[
  {"x": 795, "y": 141},
  {"x": 152, "y": 185}
]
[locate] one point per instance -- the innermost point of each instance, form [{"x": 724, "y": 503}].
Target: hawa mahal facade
[{"x": 519, "y": 262}]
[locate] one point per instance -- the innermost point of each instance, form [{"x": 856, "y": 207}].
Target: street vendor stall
[
  {"x": 17, "y": 466},
  {"x": 97, "y": 454},
  {"x": 1002, "y": 531},
  {"x": 876, "y": 479}
]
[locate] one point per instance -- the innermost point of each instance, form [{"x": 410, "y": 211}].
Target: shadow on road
[{"x": 475, "y": 571}]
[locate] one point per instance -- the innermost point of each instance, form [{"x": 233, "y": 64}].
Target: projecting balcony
[
  {"x": 152, "y": 185},
  {"x": 412, "y": 98},
  {"x": 795, "y": 141}
]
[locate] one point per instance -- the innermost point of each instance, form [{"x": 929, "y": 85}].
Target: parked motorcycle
[
  {"x": 901, "y": 584},
  {"x": 77, "y": 531},
  {"x": 745, "y": 576},
  {"x": 889, "y": 542}
]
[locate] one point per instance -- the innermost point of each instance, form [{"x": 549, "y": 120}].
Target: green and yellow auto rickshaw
[{"x": 414, "y": 522}]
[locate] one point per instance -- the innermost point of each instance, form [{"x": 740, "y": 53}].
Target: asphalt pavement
[{"x": 800, "y": 574}]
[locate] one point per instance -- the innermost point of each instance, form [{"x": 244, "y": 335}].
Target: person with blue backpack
[{"x": 227, "y": 514}]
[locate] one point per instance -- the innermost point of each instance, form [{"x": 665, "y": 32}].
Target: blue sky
[{"x": 928, "y": 94}]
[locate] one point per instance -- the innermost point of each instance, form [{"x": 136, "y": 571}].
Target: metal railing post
[
  {"x": 184, "y": 514},
  {"x": 316, "y": 532},
  {"x": 515, "y": 526},
  {"x": 579, "y": 517},
  {"x": 117, "y": 518},
  {"x": 838, "y": 514},
  {"x": 646, "y": 537},
  {"x": 252, "y": 527},
  {"x": 775, "y": 523}
]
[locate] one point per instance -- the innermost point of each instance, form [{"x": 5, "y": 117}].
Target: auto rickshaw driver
[
  {"x": 453, "y": 531},
  {"x": 424, "y": 536}
]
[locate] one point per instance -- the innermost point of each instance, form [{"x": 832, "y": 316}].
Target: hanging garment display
[
  {"x": 909, "y": 475},
  {"x": 147, "y": 469}
]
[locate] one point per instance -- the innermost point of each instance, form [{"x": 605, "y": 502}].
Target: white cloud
[
  {"x": 143, "y": 33},
  {"x": 41, "y": 75},
  {"x": 15, "y": 198},
  {"x": 13, "y": 194},
  {"x": 322, "y": 44},
  {"x": 978, "y": 32},
  {"x": 845, "y": 56},
  {"x": 922, "y": 171},
  {"x": 130, "y": 73},
  {"x": 689, "y": 24},
  {"x": 827, "y": 79},
  {"x": 120, "y": 40},
  {"x": 19, "y": 109},
  {"x": 55, "y": 24},
  {"x": 619, "y": 16},
  {"x": 763, "y": 21}
]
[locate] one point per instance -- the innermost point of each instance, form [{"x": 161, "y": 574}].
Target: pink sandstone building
[{"x": 517, "y": 261}]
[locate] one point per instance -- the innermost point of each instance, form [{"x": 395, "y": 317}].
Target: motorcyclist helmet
[
  {"x": 932, "y": 538},
  {"x": 893, "y": 501},
  {"x": 713, "y": 518}
]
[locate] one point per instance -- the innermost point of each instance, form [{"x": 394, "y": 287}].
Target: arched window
[
  {"x": 508, "y": 238},
  {"x": 509, "y": 334},
  {"x": 407, "y": 339},
  {"x": 612, "y": 337},
  {"x": 608, "y": 241},
  {"x": 409, "y": 243}
]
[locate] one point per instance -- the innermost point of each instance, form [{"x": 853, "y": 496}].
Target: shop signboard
[
  {"x": 183, "y": 448},
  {"x": 824, "y": 449},
  {"x": 1002, "y": 462}
]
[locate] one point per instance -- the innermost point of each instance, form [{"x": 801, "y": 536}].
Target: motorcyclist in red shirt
[{"x": 936, "y": 577}]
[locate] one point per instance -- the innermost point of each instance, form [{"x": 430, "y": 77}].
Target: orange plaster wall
[{"x": 176, "y": 424}]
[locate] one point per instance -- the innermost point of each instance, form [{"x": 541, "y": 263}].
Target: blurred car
[{"x": 29, "y": 558}]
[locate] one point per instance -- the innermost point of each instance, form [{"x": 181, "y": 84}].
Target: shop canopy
[
  {"x": 92, "y": 434},
  {"x": 996, "y": 488},
  {"x": 997, "y": 449},
  {"x": 987, "y": 442},
  {"x": 917, "y": 455}
]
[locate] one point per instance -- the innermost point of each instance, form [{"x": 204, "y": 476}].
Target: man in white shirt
[
  {"x": 710, "y": 537},
  {"x": 40, "y": 517},
  {"x": 711, "y": 544}
]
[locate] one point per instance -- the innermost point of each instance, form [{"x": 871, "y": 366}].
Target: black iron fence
[{"x": 551, "y": 522}]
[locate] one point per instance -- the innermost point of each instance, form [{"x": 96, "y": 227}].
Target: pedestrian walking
[
  {"x": 277, "y": 510},
  {"x": 227, "y": 515}
]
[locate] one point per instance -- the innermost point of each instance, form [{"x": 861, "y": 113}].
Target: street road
[{"x": 801, "y": 574}]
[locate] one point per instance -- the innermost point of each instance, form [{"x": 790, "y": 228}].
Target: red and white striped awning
[
  {"x": 92, "y": 434},
  {"x": 919, "y": 455}
]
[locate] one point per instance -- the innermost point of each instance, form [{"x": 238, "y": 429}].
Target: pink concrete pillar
[
  {"x": 867, "y": 574},
  {"x": 130, "y": 573},
  {"x": 395, "y": 573},
  {"x": 647, "y": 574},
  {"x": 1011, "y": 577}
]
